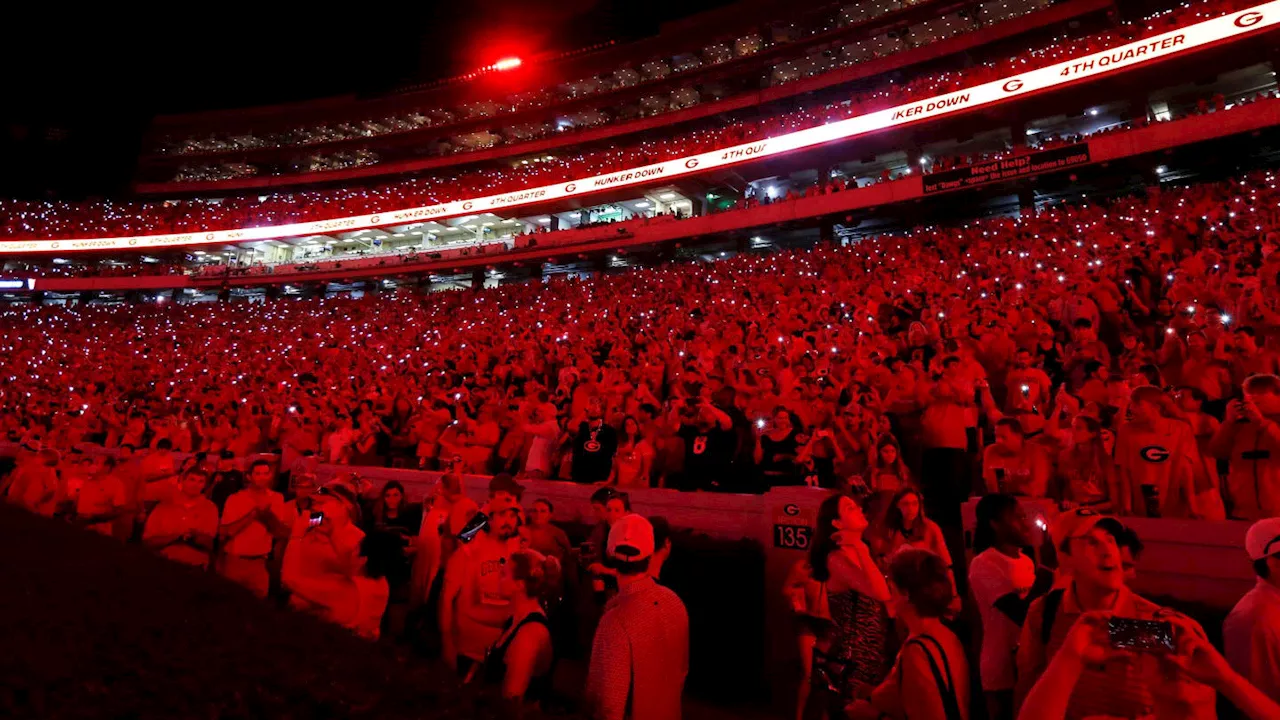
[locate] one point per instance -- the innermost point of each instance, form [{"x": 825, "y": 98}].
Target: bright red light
[{"x": 510, "y": 63}]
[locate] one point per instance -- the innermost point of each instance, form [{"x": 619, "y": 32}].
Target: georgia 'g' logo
[
  {"x": 1248, "y": 19},
  {"x": 1154, "y": 454},
  {"x": 571, "y": 187},
  {"x": 791, "y": 509},
  {"x": 466, "y": 205},
  {"x": 691, "y": 163},
  {"x": 1013, "y": 85}
]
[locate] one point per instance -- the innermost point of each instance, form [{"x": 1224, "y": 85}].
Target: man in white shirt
[
  {"x": 182, "y": 528},
  {"x": 251, "y": 521},
  {"x": 1004, "y": 582},
  {"x": 1251, "y": 632},
  {"x": 102, "y": 496}
]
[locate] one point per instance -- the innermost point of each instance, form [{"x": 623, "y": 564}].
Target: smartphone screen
[
  {"x": 478, "y": 522},
  {"x": 1153, "y": 636},
  {"x": 316, "y": 518}
]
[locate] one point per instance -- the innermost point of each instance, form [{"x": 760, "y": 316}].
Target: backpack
[{"x": 1052, "y": 602}]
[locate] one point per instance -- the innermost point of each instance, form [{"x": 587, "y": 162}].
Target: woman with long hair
[
  {"x": 521, "y": 660},
  {"x": 634, "y": 458},
  {"x": 821, "y": 454},
  {"x": 394, "y": 525},
  {"x": 1086, "y": 474},
  {"x": 905, "y": 524},
  {"x": 776, "y": 450},
  {"x": 930, "y": 679},
  {"x": 888, "y": 473},
  {"x": 849, "y": 657}
]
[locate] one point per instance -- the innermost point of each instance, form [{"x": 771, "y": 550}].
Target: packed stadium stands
[
  {"x": 58, "y": 220},
  {"x": 1048, "y": 321}
]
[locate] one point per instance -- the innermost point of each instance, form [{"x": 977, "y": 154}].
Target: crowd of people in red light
[
  {"x": 1120, "y": 358},
  {"x": 26, "y": 219},
  {"x": 725, "y": 49}
]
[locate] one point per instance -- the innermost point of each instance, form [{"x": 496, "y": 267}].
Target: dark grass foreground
[{"x": 90, "y": 628}]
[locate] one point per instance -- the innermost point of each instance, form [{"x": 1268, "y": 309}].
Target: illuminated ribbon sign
[{"x": 1159, "y": 47}]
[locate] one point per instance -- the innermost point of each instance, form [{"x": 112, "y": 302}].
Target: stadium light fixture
[{"x": 510, "y": 63}]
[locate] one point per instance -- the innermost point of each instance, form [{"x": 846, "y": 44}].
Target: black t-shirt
[
  {"x": 593, "y": 448},
  {"x": 399, "y": 531},
  {"x": 707, "y": 458}
]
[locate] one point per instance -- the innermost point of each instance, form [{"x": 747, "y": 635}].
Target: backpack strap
[
  {"x": 1052, "y": 602},
  {"x": 946, "y": 683}
]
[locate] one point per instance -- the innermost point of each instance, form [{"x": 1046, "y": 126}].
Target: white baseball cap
[
  {"x": 1263, "y": 538},
  {"x": 631, "y": 538}
]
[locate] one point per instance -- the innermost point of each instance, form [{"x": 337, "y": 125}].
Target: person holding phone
[
  {"x": 1249, "y": 440},
  {"x": 324, "y": 566},
  {"x": 777, "y": 446},
  {"x": 472, "y": 606},
  {"x": 709, "y": 444},
  {"x": 1125, "y": 685},
  {"x": 1191, "y": 659}
]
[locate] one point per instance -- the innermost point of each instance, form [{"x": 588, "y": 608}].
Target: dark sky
[{"x": 80, "y": 86}]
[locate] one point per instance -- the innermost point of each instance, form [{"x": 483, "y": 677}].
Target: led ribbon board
[{"x": 1159, "y": 47}]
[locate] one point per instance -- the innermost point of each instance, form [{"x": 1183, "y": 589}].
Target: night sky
[{"x": 81, "y": 86}]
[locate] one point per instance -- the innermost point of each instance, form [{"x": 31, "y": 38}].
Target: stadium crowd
[
  {"x": 790, "y": 71},
  {"x": 821, "y": 22},
  {"x": 27, "y": 219},
  {"x": 1118, "y": 358}
]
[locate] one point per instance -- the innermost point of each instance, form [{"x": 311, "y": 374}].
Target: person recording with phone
[
  {"x": 1123, "y": 685},
  {"x": 1249, "y": 440},
  {"x": 473, "y": 608},
  {"x": 324, "y": 569},
  {"x": 1095, "y": 640}
]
